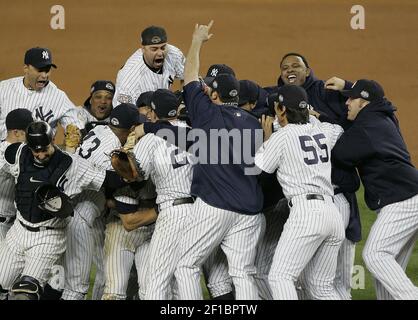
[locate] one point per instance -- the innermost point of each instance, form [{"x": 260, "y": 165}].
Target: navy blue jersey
[
  {"x": 375, "y": 146},
  {"x": 224, "y": 180}
]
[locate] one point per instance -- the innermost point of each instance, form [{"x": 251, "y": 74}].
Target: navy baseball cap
[
  {"x": 125, "y": 115},
  {"x": 164, "y": 103},
  {"x": 292, "y": 96},
  {"x": 216, "y": 69},
  {"x": 226, "y": 85},
  {"x": 153, "y": 35},
  {"x": 100, "y": 85},
  {"x": 368, "y": 90},
  {"x": 18, "y": 119},
  {"x": 248, "y": 92},
  {"x": 144, "y": 99},
  {"x": 39, "y": 58}
]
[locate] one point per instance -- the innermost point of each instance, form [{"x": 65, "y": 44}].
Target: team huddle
[{"x": 252, "y": 188}]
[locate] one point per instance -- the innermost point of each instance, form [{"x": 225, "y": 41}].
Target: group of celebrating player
[{"x": 253, "y": 187}]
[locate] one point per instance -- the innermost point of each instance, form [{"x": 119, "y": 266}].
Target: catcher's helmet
[
  {"x": 53, "y": 201},
  {"x": 38, "y": 135}
]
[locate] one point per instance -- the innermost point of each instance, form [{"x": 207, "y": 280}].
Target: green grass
[{"x": 363, "y": 290}]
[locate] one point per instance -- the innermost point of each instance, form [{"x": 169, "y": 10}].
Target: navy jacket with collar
[{"x": 374, "y": 144}]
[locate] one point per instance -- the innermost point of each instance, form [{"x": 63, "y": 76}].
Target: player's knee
[
  {"x": 276, "y": 276},
  {"x": 26, "y": 288},
  {"x": 320, "y": 290},
  {"x": 372, "y": 257}
]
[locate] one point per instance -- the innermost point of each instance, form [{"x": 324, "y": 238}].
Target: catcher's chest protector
[{"x": 31, "y": 177}]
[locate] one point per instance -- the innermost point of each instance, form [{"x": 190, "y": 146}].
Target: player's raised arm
[{"x": 191, "y": 68}]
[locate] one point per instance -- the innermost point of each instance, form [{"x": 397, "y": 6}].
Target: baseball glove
[
  {"x": 125, "y": 165},
  {"x": 72, "y": 136},
  {"x": 51, "y": 200}
]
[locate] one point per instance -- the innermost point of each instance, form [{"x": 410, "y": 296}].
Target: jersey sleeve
[
  {"x": 72, "y": 115},
  {"x": 332, "y": 131},
  {"x": 88, "y": 176},
  {"x": 267, "y": 157},
  {"x": 179, "y": 60},
  {"x": 144, "y": 153}
]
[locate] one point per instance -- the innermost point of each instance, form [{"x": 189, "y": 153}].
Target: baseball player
[
  {"x": 312, "y": 235},
  {"x": 90, "y": 205},
  {"x": 144, "y": 105},
  {"x": 16, "y": 123},
  {"x": 226, "y": 211},
  {"x": 294, "y": 69},
  {"x": 171, "y": 171},
  {"x": 35, "y": 92},
  {"x": 96, "y": 109},
  {"x": 128, "y": 235},
  {"x": 390, "y": 184},
  {"x": 98, "y": 104},
  {"x": 37, "y": 238},
  {"x": 154, "y": 66}
]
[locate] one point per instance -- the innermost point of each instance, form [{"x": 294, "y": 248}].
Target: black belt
[
  {"x": 7, "y": 219},
  {"x": 311, "y": 196},
  {"x": 183, "y": 201},
  {"x": 35, "y": 229}
]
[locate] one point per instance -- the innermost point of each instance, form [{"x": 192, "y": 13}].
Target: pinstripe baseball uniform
[
  {"x": 171, "y": 172},
  {"x": 346, "y": 255},
  {"x": 123, "y": 248},
  {"x": 33, "y": 253},
  {"x": 7, "y": 197},
  {"x": 89, "y": 206},
  {"x": 314, "y": 230},
  {"x": 136, "y": 77},
  {"x": 215, "y": 268},
  {"x": 50, "y": 104}
]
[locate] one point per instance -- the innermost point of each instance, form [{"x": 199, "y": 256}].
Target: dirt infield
[{"x": 251, "y": 36}]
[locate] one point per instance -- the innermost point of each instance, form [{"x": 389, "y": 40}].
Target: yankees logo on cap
[
  {"x": 39, "y": 58},
  {"x": 216, "y": 69}
]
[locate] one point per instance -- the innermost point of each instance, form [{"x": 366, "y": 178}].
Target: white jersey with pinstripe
[
  {"x": 49, "y": 104},
  {"x": 7, "y": 196},
  {"x": 34, "y": 253},
  {"x": 89, "y": 206},
  {"x": 314, "y": 231},
  {"x": 123, "y": 248},
  {"x": 170, "y": 170},
  {"x": 136, "y": 77}
]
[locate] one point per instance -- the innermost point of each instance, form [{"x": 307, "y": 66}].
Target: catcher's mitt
[
  {"x": 72, "y": 137},
  {"x": 125, "y": 165},
  {"x": 51, "y": 200}
]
